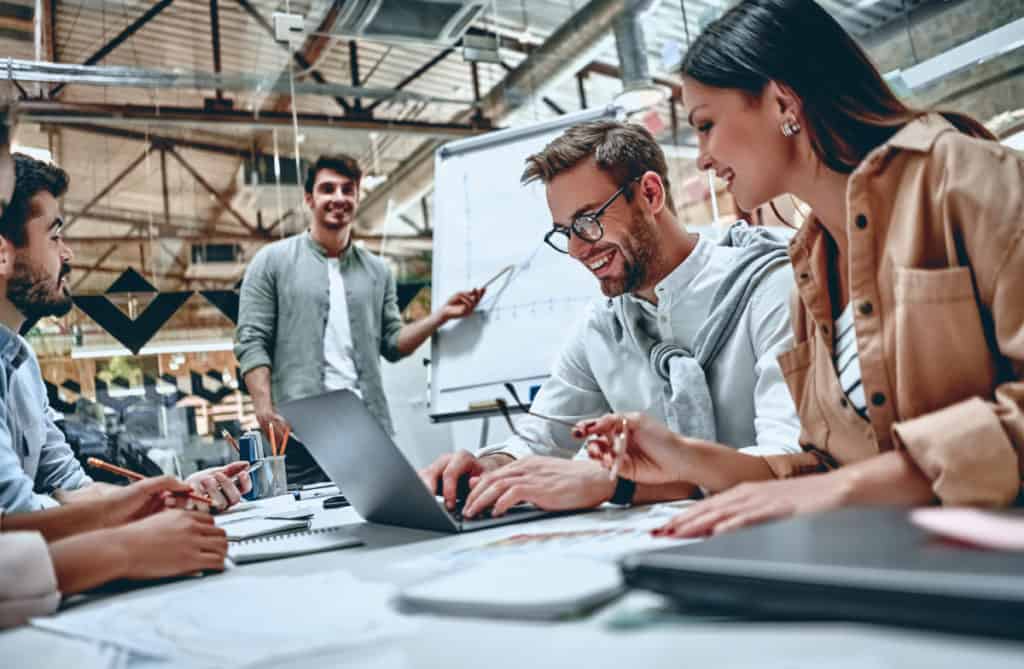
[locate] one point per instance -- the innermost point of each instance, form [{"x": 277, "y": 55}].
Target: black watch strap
[{"x": 624, "y": 492}]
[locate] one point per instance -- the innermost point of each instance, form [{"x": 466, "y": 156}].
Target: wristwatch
[{"x": 624, "y": 492}]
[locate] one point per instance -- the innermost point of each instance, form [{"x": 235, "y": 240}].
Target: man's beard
[
  {"x": 35, "y": 294},
  {"x": 639, "y": 253}
]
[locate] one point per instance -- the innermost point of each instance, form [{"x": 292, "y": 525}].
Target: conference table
[{"x": 638, "y": 630}]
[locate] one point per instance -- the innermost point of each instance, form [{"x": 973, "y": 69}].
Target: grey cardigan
[{"x": 282, "y": 317}]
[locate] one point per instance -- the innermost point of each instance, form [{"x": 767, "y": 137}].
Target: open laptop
[
  {"x": 350, "y": 445},
  {"x": 853, "y": 564}
]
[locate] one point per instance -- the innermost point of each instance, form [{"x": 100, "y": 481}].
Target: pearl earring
[{"x": 790, "y": 128}]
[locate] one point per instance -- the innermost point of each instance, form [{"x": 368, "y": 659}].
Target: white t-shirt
[
  {"x": 847, "y": 361},
  {"x": 340, "y": 370}
]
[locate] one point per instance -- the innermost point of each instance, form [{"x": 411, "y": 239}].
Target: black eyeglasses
[
  {"x": 585, "y": 226},
  {"x": 503, "y": 408}
]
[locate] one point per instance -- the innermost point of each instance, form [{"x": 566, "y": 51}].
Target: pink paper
[{"x": 986, "y": 529}]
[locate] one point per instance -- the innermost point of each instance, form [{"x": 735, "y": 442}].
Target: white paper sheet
[
  {"x": 588, "y": 536},
  {"x": 233, "y": 622}
]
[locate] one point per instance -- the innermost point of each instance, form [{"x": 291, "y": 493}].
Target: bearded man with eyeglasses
[{"x": 684, "y": 318}]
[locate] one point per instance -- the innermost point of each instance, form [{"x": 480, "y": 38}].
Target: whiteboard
[{"x": 485, "y": 221}]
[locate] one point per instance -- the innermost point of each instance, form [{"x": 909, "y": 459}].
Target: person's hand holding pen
[
  {"x": 461, "y": 304},
  {"x": 209, "y": 489},
  {"x": 119, "y": 505},
  {"x": 637, "y": 447},
  {"x": 464, "y": 303},
  {"x": 224, "y": 485}
]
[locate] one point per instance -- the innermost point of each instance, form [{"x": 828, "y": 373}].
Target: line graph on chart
[
  {"x": 486, "y": 220},
  {"x": 517, "y": 328}
]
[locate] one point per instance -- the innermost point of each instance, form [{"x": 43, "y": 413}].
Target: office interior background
[{"x": 185, "y": 126}]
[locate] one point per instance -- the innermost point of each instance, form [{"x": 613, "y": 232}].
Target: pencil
[
  {"x": 619, "y": 448},
  {"x": 135, "y": 476},
  {"x": 231, "y": 440},
  {"x": 284, "y": 441},
  {"x": 273, "y": 440}
]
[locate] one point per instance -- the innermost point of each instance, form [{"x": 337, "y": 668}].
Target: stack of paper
[{"x": 251, "y": 619}]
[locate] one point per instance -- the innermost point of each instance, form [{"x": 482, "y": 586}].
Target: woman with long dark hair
[{"x": 908, "y": 316}]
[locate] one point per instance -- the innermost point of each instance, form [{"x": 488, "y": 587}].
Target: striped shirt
[{"x": 847, "y": 363}]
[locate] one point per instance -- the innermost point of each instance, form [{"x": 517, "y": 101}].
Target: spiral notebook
[
  {"x": 290, "y": 544},
  {"x": 245, "y": 528}
]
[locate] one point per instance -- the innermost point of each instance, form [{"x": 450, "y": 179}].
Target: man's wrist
[{"x": 437, "y": 318}]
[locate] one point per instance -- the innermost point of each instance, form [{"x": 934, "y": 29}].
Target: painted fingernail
[{"x": 577, "y": 433}]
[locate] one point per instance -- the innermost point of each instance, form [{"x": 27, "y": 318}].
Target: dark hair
[
  {"x": 342, "y": 163},
  {"x": 848, "y": 107},
  {"x": 624, "y": 150},
  {"x": 31, "y": 176}
]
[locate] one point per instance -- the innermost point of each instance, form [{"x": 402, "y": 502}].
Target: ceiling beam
[
  {"x": 297, "y": 57},
  {"x": 139, "y": 136},
  {"x": 311, "y": 51},
  {"x": 85, "y": 240},
  {"x": 109, "y": 187},
  {"x": 92, "y": 268},
  {"x": 613, "y": 71},
  {"x": 69, "y": 114},
  {"x": 45, "y": 33},
  {"x": 570, "y": 47},
  {"x": 200, "y": 238},
  {"x": 214, "y": 192},
  {"x": 215, "y": 40},
  {"x": 103, "y": 269},
  {"x": 415, "y": 74},
  {"x": 151, "y": 220},
  {"x": 119, "y": 39}
]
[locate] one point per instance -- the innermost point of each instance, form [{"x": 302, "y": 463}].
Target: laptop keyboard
[{"x": 486, "y": 514}]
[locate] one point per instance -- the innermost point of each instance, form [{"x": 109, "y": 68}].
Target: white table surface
[{"x": 598, "y": 640}]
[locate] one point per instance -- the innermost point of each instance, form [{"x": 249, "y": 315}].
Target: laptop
[
  {"x": 868, "y": 565},
  {"x": 362, "y": 459}
]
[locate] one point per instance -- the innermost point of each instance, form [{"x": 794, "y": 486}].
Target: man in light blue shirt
[
  {"x": 36, "y": 463},
  {"x": 666, "y": 288}
]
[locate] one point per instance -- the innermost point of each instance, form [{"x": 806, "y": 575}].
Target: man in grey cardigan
[
  {"x": 688, "y": 334},
  {"x": 318, "y": 311}
]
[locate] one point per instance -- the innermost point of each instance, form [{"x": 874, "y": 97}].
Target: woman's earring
[{"x": 790, "y": 128}]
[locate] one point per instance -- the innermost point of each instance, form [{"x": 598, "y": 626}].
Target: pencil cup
[
  {"x": 250, "y": 449},
  {"x": 271, "y": 479}
]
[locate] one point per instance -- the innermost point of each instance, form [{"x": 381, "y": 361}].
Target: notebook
[
  {"x": 531, "y": 588},
  {"x": 249, "y": 528},
  {"x": 290, "y": 544}
]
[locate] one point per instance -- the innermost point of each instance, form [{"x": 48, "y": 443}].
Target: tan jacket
[{"x": 936, "y": 279}]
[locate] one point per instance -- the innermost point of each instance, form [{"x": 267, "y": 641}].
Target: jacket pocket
[
  {"x": 797, "y": 369},
  {"x": 794, "y": 364},
  {"x": 942, "y": 352}
]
